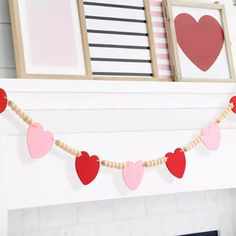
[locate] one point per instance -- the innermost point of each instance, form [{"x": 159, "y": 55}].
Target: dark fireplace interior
[{"x": 209, "y": 233}]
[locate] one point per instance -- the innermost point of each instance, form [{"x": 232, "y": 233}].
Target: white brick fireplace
[{"x": 164, "y": 215}]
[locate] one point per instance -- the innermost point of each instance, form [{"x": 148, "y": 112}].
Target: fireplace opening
[{"x": 209, "y": 233}]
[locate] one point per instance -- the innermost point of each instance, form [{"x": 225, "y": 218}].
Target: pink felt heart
[
  {"x": 133, "y": 174},
  {"x": 39, "y": 142},
  {"x": 211, "y": 136}
]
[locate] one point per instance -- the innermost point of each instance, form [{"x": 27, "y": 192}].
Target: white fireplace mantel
[{"x": 117, "y": 120}]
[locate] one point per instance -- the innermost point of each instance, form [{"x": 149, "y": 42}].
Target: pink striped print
[
  {"x": 159, "y": 35},
  {"x": 161, "y": 45},
  {"x": 155, "y": 3},
  {"x": 163, "y": 66},
  {"x": 163, "y": 56},
  {"x": 158, "y": 24},
  {"x": 157, "y": 13}
]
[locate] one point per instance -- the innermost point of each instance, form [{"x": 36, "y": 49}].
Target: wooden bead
[{"x": 185, "y": 149}]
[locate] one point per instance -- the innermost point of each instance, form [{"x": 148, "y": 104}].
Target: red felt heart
[
  {"x": 233, "y": 100},
  {"x": 176, "y": 162},
  {"x": 3, "y": 100},
  {"x": 201, "y": 41},
  {"x": 87, "y": 167}
]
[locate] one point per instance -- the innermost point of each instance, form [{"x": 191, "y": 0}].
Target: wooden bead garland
[
  {"x": 87, "y": 167},
  {"x": 224, "y": 113},
  {"x": 65, "y": 147},
  {"x": 155, "y": 162},
  {"x": 193, "y": 144},
  {"x": 112, "y": 164},
  {"x": 26, "y": 118},
  {"x": 120, "y": 165}
]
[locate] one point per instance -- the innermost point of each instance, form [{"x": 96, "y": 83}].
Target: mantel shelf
[{"x": 39, "y": 85}]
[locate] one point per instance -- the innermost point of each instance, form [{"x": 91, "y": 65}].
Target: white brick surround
[{"x": 164, "y": 215}]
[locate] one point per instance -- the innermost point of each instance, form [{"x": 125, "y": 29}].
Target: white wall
[
  {"x": 7, "y": 62},
  {"x": 158, "y": 215}
]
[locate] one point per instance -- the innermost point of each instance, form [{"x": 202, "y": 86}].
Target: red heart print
[
  {"x": 233, "y": 100},
  {"x": 201, "y": 41},
  {"x": 176, "y": 162},
  {"x": 87, "y": 167},
  {"x": 3, "y": 100}
]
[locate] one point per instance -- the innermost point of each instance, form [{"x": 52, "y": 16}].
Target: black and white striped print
[{"x": 118, "y": 38}]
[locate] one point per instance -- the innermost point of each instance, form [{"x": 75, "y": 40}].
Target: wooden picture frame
[
  {"x": 72, "y": 63},
  {"x": 189, "y": 63},
  {"x": 121, "y": 40}
]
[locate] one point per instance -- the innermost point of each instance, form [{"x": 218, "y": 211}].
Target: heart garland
[{"x": 87, "y": 167}]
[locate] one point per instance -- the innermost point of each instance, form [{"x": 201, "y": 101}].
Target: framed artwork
[
  {"x": 49, "y": 39},
  {"x": 121, "y": 42},
  {"x": 198, "y": 41}
]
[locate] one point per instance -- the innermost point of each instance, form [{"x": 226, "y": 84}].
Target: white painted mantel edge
[{"x": 95, "y": 86}]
